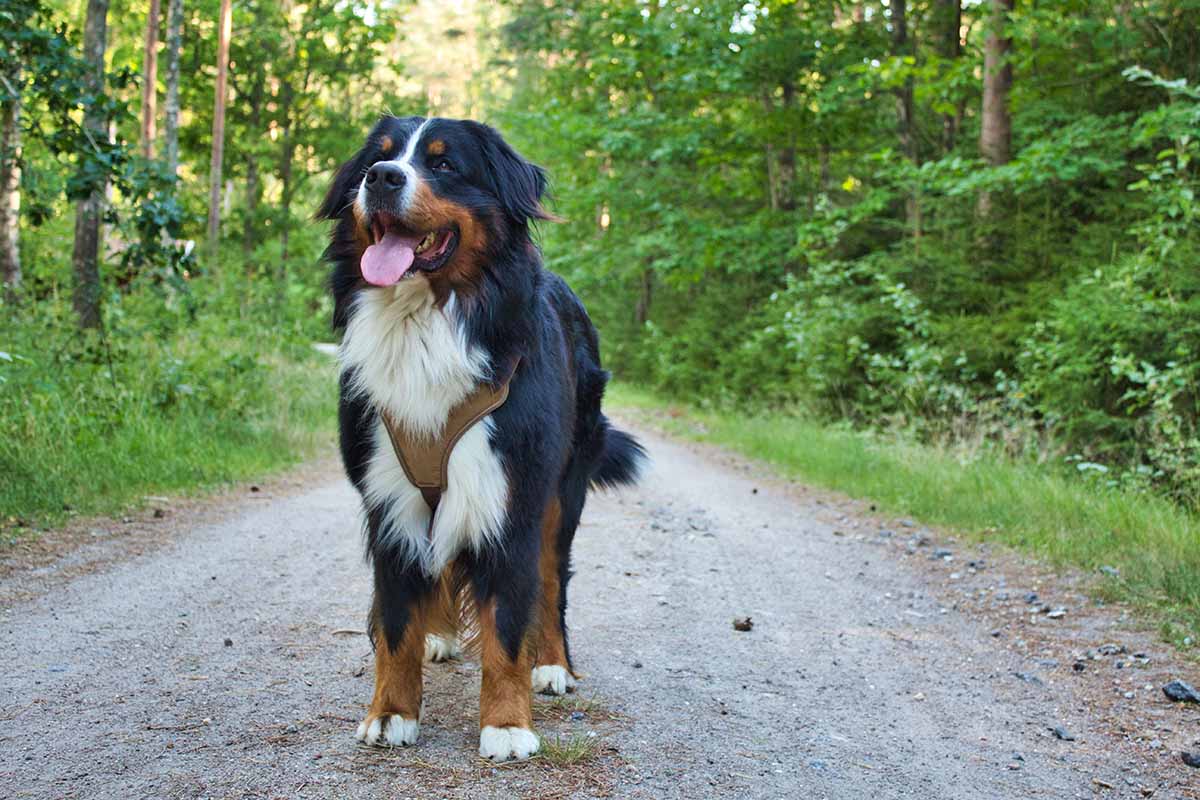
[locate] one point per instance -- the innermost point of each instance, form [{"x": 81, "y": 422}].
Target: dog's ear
[
  {"x": 343, "y": 187},
  {"x": 518, "y": 184}
]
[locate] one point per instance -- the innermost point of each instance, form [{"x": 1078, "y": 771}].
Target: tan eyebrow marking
[
  {"x": 385, "y": 144},
  {"x": 436, "y": 148}
]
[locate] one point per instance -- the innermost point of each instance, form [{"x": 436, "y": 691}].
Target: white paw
[
  {"x": 388, "y": 730},
  {"x": 440, "y": 648},
  {"x": 552, "y": 679},
  {"x": 501, "y": 744}
]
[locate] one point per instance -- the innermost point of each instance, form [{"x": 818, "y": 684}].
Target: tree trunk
[
  {"x": 253, "y": 186},
  {"x": 10, "y": 191},
  {"x": 995, "y": 134},
  {"x": 286, "y": 151},
  {"x": 904, "y": 112},
  {"x": 150, "y": 80},
  {"x": 85, "y": 256},
  {"x": 949, "y": 23},
  {"x": 787, "y": 155},
  {"x": 781, "y": 159},
  {"x": 218, "y": 135},
  {"x": 174, "y": 44},
  {"x": 641, "y": 312}
]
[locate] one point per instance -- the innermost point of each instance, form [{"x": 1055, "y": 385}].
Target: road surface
[{"x": 228, "y": 662}]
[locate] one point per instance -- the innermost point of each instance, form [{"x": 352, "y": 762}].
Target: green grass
[
  {"x": 64, "y": 454},
  {"x": 1070, "y": 522}
]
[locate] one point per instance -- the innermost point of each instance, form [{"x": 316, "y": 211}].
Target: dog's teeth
[{"x": 426, "y": 243}]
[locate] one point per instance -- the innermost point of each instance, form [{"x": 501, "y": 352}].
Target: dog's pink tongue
[{"x": 385, "y": 262}]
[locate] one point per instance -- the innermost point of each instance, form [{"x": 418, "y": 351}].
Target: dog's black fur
[{"x": 550, "y": 435}]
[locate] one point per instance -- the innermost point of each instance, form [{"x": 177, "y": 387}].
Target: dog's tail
[{"x": 621, "y": 458}]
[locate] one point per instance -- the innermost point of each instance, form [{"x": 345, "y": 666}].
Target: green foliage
[
  {"x": 187, "y": 388},
  {"x": 203, "y": 370},
  {"x": 864, "y": 284}
]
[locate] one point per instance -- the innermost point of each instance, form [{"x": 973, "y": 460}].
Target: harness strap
[{"x": 425, "y": 458}]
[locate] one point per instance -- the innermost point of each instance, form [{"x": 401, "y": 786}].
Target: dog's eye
[{"x": 443, "y": 165}]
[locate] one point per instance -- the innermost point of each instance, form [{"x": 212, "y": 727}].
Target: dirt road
[{"x": 228, "y": 662}]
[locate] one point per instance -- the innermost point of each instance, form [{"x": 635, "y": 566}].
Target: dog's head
[{"x": 434, "y": 197}]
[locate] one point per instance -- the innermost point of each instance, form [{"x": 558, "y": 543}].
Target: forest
[{"x": 972, "y": 222}]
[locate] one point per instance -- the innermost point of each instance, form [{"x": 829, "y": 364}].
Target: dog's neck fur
[{"x": 409, "y": 356}]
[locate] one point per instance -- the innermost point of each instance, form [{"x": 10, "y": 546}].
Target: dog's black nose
[{"x": 386, "y": 176}]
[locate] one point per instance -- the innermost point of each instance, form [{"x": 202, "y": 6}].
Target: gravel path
[{"x": 229, "y": 662}]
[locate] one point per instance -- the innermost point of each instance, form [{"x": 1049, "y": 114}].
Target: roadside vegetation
[
  {"x": 1141, "y": 549},
  {"x": 183, "y": 394}
]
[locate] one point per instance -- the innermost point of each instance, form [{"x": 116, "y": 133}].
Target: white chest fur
[{"x": 413, "y": 359}]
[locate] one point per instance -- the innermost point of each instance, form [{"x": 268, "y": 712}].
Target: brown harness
[{"x": 424, "y": 458}]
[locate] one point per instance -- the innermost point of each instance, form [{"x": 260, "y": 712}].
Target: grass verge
[
  {"x": 1152, "y": 544},
  {"x": 69, "y": 452}
]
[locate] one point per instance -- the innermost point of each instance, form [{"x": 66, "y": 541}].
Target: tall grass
[
  {"x": 1153, "y": 544},
  {"x": 163, "y": 403}
]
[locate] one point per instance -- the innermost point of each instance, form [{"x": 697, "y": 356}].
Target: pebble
[
  {"x": 229, "y": 642},
  {"x": 1031, "y": 598},
  {"x": 1028, "y": 677},
  {"x": 1181, "y": 692},
  {"x": 1062, "y": 733},
  {"x": 1191, "y": 759},
  {"x": 1057, "y": 613}
]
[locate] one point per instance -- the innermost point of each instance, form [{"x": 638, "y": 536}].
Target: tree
[
  {"x": 10, "y": 183},
  {"x": 174, "y": 44},
  {"x": 904, "y": 108},
  {"x": 218, "y": 129},
  {"x": 85, "y": 257},
  {"x": 150, "y": 80},
  {"x": 949, "y": 25},
  {"x": 995, "y": 132}
]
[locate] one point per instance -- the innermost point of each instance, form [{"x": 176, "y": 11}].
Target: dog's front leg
[
  {"x": 506, "y": 591},
  {"x": 398, "y": 632}
]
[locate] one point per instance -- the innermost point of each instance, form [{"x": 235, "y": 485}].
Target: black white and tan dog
[{"x": 449, "y": 320}]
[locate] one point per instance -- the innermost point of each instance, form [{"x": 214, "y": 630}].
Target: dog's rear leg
[
  {"x": 398, "y": 633},
  {"x": 552, "y": 670},
  {"x": 441, "y": 633}
]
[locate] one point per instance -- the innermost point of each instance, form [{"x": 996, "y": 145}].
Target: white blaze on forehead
[{"x": 405, "y": 161}]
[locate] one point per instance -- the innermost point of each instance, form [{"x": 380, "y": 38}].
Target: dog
[{"x": 444, "y": 305}]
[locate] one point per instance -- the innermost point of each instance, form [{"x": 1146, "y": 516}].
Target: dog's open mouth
[{"x": 396, "y": 250}]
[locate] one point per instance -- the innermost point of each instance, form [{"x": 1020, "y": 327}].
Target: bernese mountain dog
[{"x": 440, "y": 294}]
